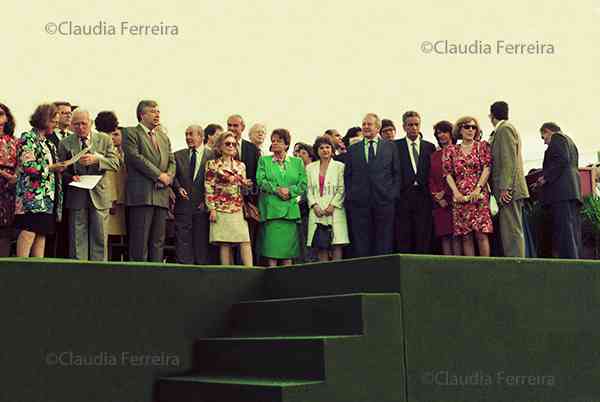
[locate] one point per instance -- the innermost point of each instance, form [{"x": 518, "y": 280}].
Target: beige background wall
[{"x": 311, "y": 65}]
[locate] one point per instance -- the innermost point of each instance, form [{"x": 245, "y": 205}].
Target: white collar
[{"x": 417, "y": 141}]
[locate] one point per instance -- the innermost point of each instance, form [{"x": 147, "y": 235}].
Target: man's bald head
[{"x": 81, "y": 122}]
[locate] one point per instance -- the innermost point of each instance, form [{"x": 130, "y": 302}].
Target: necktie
[
  {"x": 371, "y": 151},
  {"x": 62, "y": 134},
  {"x": 193, "y": 164},
  {"x": 415, "y": 154},
  {"x": 152, "y": 135},
  {"x": 83, "y": 143}
]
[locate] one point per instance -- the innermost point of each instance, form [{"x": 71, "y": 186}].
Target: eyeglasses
[
  {"x": 469, "y": 126},
  {"x": 229, "y": 144}
]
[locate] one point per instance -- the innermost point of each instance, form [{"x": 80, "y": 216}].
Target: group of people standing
[{"x": 360, "y": 195}]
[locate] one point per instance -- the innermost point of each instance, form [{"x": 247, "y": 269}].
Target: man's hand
[
  {"x": 165, "y": 179},
  {"x": 506, "y": 196},
  {"x": 88, "y": 159},
  {"x": 183, "y": 194},
  {"x": 76, "y": 178},
  {"x": 329, "y": 210}
]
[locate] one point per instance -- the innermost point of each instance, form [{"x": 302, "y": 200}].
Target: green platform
[{"x": 394, "y": 328}]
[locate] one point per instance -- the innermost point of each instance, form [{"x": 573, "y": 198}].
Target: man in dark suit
[
  {"x": 88, "y": 209},
  {"x": 561, "y": 190},
  {"x": 413, "y": 211},
  {"x": 191, "y": 217},
  {"x": 58, "y": 244},
  {"x": 372, "y": 179},
  {"x": 249, "y": 154},
  {"x": 150, "y": 170}
]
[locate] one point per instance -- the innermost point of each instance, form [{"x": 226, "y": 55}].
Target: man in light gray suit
[
  {"x": 150, "y": 171},
  {"x": 191, "y": 217},
  {"x": 88, "y": 209},
  {"x": 508, "y": 180}
]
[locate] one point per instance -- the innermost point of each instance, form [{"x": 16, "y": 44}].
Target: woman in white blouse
[{"x": 325, "y": 193}]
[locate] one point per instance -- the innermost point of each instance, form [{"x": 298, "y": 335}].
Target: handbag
[
  {"x": 493, "y": 205},
  {"x": 323, "y": 237},
  {"x": 251, "y": 212}
]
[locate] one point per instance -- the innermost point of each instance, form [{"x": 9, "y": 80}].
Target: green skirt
[{"x": 279, "y": 239}]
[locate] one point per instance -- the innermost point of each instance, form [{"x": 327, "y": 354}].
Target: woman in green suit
[{"x": 281, "y": 179}]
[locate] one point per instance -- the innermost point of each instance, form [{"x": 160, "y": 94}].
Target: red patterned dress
[
  {"x": 8, "y": 162},
  {"x": 466, "y": 170}
]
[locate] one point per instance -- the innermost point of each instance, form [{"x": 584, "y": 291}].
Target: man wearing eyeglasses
[{"x": 508, "y": 180}]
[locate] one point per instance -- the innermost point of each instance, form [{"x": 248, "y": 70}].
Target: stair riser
[
  {"x": 268, "y": 358},
  {"x": 173, "y": 391},
  {"x": 322, "y": 316}
]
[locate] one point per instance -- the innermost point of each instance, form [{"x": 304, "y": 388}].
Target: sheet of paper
[
  {"x": 76, "y": 157},
  {"x": 86, "y": 182}
]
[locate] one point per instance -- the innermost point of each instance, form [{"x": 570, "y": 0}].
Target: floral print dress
[
  {"x": 466, "y": 170},
  {"x": 36, "y": 190},
  {"x": 8, "y": 162}
]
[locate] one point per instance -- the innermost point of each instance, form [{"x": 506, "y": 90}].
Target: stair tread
[
  {"x": 255, "y": 381},
  {"x": 285, "y": 299},
  {"x": 278, "y": 338}
]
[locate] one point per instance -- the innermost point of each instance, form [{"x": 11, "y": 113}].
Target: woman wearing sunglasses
[
  {"x": 224, "y": 182},
  {"x": 467, "y": 169}
]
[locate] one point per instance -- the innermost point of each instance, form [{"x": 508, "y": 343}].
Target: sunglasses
[
  {"x": 229, "y": 144},
  {"x": 469, "y": 126}
]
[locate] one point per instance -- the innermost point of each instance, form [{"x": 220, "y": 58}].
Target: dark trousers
[
  {"x": 191, "y": 239},
  {"x": 372, "y": 230},
  {"x": 147, "y": 226},
  {"x": 566, "y": 235},
  {"x": 414, "y": 222}
]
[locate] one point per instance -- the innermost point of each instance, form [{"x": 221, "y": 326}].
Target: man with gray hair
[
  {"x": 372, "y": 180},
  {"x": 150, "y": 171},
  {"x": 561, "y": 190},
  {"x": 257, "y": 135},
  {"x": 88, "y": 208},
  {"x": 191, "y": 214}
]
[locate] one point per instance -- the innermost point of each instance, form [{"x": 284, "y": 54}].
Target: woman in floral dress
[
  {"x": 467, "y": 168},
  {"x": 224, "y": 180},
  {"x": 8, "y": 178},
  {"x": 38, "y": 194}
]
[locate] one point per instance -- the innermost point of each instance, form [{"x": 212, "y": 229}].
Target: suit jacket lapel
[
  {"x": 202, "y": 160},
  {"x": 148, "y": 142}
]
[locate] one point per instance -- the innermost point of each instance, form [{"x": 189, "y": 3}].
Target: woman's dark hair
[
  {"x": 210, "y": 130},
  {"x": 42, "y": 115},
  {"x": 106, "y": 122},
  {"x": 307, "y": 148},
  {"x": 351, "y": 133},
  {"x": 283, "y": 134},
  {"x": 320, "y": 141},
  {"x": 443, "y": 126},
  {"x": 9, "y": 126}
]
